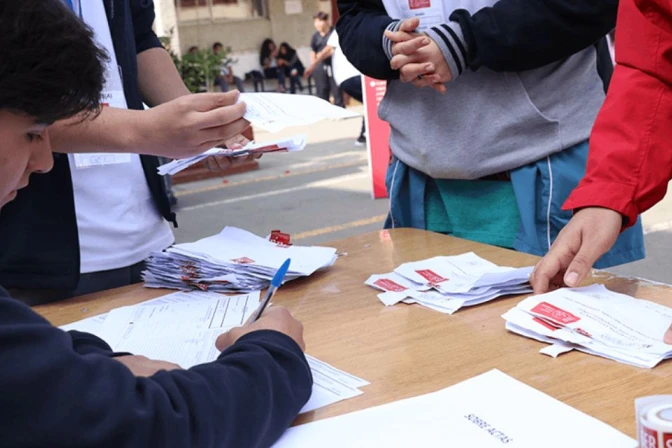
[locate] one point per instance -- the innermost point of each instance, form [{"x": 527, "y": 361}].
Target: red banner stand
[{"x": 377, "y": 135}]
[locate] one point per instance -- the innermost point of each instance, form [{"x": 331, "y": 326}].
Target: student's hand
[
  {"x": 274, "y": 318},
  {"x": 418, "y": 58},
  {"x": 309, "y": 71},
  {"x": 143, "y": 366},
  {"x": 192, "y": 124},
  {"x": 220, "y": 163},
  {"x": 590, "y": 234}
]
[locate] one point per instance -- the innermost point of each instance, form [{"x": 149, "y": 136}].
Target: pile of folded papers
[
  {"x": 291, "y": 144},
  {"x": 597, "y": 321},
  {"x": 446, "y": 284},
  {"x": 232, "y": 261}
]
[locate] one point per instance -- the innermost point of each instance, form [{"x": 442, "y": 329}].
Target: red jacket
[{"x": 630, "y": 160}]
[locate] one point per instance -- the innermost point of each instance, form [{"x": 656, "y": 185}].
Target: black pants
[
  {"x": 325, "y": 84},
  {"x": 353, "y": 87}
]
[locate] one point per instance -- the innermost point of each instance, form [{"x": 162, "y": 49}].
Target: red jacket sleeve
[{"x": 630, "y": 159}]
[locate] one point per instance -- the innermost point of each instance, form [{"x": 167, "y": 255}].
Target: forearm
[
  {"x": 325, "y": 54},
  {"x": 360, "y": 30},
  {"x": 313, "y": 57},
  {"x": 517, "y": 35},
  {"x": 158, "y": 78}
]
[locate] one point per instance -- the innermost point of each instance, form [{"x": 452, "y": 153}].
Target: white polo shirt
[
  {"x": 343, "y": 69},
  {"x": 119, "y": 224}
]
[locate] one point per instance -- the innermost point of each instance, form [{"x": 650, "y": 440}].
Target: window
[{"x": 211, "y": 10}]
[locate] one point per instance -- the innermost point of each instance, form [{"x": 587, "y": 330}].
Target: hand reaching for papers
[
  {"x": 418, "y": 58},
  {"x": 143, "y": 366},
  {"x": 590, "y": 233},
  {"x": 192, "y": 124},
  {"x": 275, "y": 318}
]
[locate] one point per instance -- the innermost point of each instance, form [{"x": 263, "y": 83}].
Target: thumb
[
  {"x": 668, "y": 336},
  {"x": 409, "y": 25},
  {"x": 204, "y": 102},
  {"x": 581, "y": 265}
]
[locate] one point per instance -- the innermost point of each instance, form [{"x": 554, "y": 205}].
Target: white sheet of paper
[
  {"x": 331, "y": 385},
  {"x": 276, "y": 111},
  {"x": 182, "y": 333},
  {"x": 488, "y": 411}
]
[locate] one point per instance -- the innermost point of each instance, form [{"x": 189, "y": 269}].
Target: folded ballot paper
[
  {"x": 296, "y": 143},
  {"x": 232, "y": 261},
  {"x": 182, "y": 328},
  {"x": 596, "y": 321},
  {"x": 446, "y": 284},
  {"x": 276, "y": 111}
]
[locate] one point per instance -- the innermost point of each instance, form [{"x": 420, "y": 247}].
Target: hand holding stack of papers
[
  {"x": 182, "y": 328},
  {"x": 297, "y": 143},
  {"x": 597, "y": 321},
  {"x": 276, "y": 111},
  {"x": 231, "y": 261},
  {"x": 446, "y": 284}
]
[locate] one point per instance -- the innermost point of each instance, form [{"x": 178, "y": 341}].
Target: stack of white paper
[
  {"x": 597, "y": 321},
  {"x": 276, "y": 111},
  {"x": 446, "y": 284},
  {"x": 182, "y": 328},
  {"x": 231, "y": 261},
  {"x": 291, "y": 144},
  {"x": 492, "y": 410}
]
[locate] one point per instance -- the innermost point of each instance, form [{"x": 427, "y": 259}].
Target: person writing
[
  {"x": 69, "y": 389},
  {"x": 630, "y": 160}
]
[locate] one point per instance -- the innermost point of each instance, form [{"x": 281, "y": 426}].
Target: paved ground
[{"x": 323, "y": 193}]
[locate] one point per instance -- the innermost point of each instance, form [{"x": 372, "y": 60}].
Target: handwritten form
[
  {"x": 491, "y": 410},
  {"x": 182, "y": 328}
]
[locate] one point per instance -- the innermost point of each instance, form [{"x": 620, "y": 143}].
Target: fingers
[
  {"x": 221, "y": 116},
  {"x": 422, "y": 83},
  {"x": 409, "y": 25},
  {"x": 581, "y": 265},
  {"x": 553, "y": 265},
  {"x": 203, "y": 102},
  {"x": 409, "y": 47},
  {"x": 668, "y": 336},
  {"x": 411, "y": 72},
  {"x": 223, "y": 133}
]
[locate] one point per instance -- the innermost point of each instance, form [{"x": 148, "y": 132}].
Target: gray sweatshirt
[{"x": 489, "y": 122}]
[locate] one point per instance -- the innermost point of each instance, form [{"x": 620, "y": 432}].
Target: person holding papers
[
  {"x": 63, "y": 389},
  {"x": 89, "y": 224},
  {"x": 490, "y": 105},
  {"x": 630, "y": 162}
]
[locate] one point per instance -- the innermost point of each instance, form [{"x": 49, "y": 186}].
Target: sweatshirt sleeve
[
  {"x": 56, "y": 397},
  {"x": 360, "y": 29},
  {"x": 630, "y": 158},
  {"x": 518, "y": 35}
]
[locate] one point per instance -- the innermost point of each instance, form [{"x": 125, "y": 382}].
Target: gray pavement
[{"x": 323, "y": 193}]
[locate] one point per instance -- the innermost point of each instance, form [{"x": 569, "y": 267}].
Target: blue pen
[{"x": 275, "y": 284}]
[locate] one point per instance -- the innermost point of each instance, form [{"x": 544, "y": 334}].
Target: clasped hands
[{"x": 418, "y": 58}]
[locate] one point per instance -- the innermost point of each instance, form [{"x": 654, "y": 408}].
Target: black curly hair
[{"x": 50, "y": 67}]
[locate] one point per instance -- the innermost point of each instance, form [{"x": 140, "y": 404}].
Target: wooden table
[{"x": 408, "y": 350}]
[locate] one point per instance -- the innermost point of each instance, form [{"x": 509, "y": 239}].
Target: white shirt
[
  {"x": 343, "y": 69},
  {"x": 118, "y": 222}
]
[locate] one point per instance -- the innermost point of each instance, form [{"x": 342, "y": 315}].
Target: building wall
[{"x": 246, "y": 35}]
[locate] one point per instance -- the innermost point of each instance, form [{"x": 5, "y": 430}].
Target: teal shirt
[{"x": 481, "y": 210}]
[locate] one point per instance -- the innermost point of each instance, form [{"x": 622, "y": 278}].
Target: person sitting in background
[
  {"x": 288, "y": 60},
  {"x": 227, "y": 77},
  {"x": 268, "y": 59},
  {"x": 70, "y": 389}
]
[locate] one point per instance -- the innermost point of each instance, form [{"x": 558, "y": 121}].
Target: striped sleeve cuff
[
  {"x": 450, "y": 39},
  {"x": 387, "y": 43}
]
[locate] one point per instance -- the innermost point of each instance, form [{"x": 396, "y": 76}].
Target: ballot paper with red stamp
[
  {"x": 597, "y": 321},
  {"x": 291, "y": 144},
  {"x": 446, "y": 284},
  {"x": 233, "y": 261}
]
